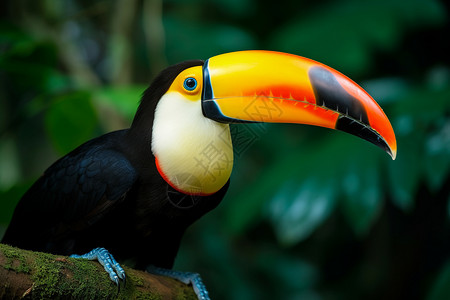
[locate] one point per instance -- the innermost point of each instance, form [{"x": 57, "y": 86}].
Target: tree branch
[
  {"x": 48, "y": 25},
  {"x": 35, "y": 275},
  {"x": 119, "y": 48}
]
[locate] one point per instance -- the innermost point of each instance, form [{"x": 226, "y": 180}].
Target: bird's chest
[{"x": 166, "y": 209}]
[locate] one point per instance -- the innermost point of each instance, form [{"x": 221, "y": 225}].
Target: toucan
[{"x": 131, "y": 194}]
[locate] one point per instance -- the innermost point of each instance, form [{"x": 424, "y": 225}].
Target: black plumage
[{"x": 108, "y": 193}]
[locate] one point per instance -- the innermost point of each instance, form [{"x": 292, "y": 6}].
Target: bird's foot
[
  {"x": 112, "y": 267},
  {"x": 185, "y": 277}
]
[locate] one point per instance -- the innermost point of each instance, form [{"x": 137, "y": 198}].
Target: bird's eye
[{"x": 190, "y": 83}]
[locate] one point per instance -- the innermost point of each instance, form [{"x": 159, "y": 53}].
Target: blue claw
[
  {"x": 185, "y": 277},
  {"x": 112, "y": 267}
]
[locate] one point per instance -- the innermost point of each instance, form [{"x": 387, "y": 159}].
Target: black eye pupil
[{"x": 190, "y": 83}]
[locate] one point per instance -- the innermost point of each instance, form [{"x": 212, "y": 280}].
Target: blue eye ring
[{"x": 190, "y": 84}]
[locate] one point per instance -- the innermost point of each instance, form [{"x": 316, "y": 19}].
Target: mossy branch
[{"x": 35, "y": 275}]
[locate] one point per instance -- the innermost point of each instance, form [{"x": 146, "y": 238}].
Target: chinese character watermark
[
  {"x": 263, "y": 108},
  {"x": 213, "y": 161},
  {"x": 181, "y": 200}
]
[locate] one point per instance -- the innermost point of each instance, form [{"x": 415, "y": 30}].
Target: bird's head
[{"x": 191, "y": 139}]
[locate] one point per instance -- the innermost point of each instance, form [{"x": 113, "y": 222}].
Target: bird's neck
[{"x": 193, "y": 154}]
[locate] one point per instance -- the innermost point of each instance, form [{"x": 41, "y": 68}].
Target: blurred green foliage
[{"x": 311, "y": 213}]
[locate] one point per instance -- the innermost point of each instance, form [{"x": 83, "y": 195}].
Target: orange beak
[{"x": 273, "y": 87}]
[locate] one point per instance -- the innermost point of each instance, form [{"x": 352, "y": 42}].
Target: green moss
[
  {"x": 136, "y": 280},
  {"x": 132, "y": 290},
  {"x": 15, "y": 260},
  {"x": 140, "y": 295},
  {"x": 81, "y": 279},
  {"x": 57, "y": 277},
  {"x": 185, "y": 294},
  {"x": 46, "y": 279},
  {"x": 89, "y": 276}
]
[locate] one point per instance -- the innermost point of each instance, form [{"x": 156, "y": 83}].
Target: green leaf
[
  {"x": 9, "y": 161},
  {"x": 30, "y": 63},
  {"x": 296, "y": 211},
  {"x": 441, "y": 287},
  {"x": 437, "y": 148},
  {"x": 70, "y": 121},
  {"x": 291, "y": 272},
  {"x": 191, "y": 39},
  {"x": 404, "y": 174},
  {"x": 13, "y": 41},
  {"x": 123, "y": 99},
  {"x": 363, "y": 193},
  {"x": 422, "y": 134}
]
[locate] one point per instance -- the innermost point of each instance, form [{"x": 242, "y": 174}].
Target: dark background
[{"x": 311, "y": 213}]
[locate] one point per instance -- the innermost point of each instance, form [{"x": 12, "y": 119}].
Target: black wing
[{"x": 72, "y": 195}]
